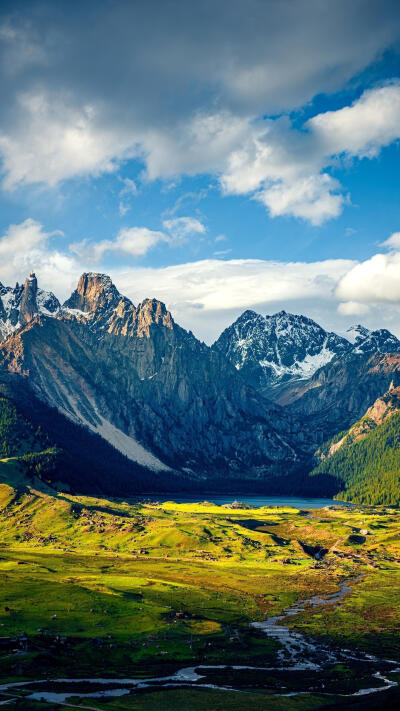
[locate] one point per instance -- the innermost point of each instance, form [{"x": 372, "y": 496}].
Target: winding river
[{"x": 296, "y": 655}]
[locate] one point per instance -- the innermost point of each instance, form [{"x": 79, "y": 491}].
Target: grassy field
[{"x": 92, "y": 588}]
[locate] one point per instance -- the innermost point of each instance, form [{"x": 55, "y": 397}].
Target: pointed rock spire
[{"x": 28, "y": 306}]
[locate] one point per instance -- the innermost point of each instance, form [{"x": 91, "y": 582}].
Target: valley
[
  {"x": 139, "y": 597},
  {"x": 120, "y": 586}
]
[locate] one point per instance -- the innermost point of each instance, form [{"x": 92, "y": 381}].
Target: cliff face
[{"x": 150, "y": 388}]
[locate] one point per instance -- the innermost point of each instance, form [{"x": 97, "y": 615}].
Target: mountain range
[{"x": 128, "y": 401}]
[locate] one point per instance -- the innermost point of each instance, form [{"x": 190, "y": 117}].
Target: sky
[{"x": 218, "y": 155}]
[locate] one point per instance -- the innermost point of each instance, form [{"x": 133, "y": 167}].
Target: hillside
[
  {"x": 365, "y": 460},
  {"x": 40, "y": 446}
]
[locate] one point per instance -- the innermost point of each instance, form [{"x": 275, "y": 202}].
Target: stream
[{"x": 299, "y": 659}]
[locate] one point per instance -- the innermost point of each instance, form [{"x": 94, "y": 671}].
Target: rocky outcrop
[
  {"x": 383, "y": 408},
  {"x": 28, "y": 306},
  {"x": 94, "y": 294},
  {"x": 105, "y": 310}
]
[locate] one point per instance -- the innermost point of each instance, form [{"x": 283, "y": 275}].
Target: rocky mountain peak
[
  {"x": 152, "y": 311},
  {"x": 94, "y": 292},
  {"x": 366, "y": 341},
  {"x": 271, "y": 350},
  {"x": 98, "y": 303},
  {"x": 20, "y": 304},
  {"x": 28, "y": 305},
  {"x": 356, "y": 333}
]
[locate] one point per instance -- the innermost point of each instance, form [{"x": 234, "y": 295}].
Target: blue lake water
[{"x": 257, "y": 501}]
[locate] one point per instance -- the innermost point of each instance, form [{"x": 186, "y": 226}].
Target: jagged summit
[
  {"x": 19, "y": 305},
  {"x": 271, "y": 350},
  {"x": 94, "y": 291},
  {"x": 357, "y": 332},
  {"x": 96, "y": 302},
  {"x": 105, "y": 310},
  {"x": 274, "y": 350}
]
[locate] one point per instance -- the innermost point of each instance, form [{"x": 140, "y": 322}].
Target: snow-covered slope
[
  {"x": 366, "y": 341},
  {"x": 273, "y": 351}
]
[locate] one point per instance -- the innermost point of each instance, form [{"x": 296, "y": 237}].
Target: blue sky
[{"x": 229, "y": 155}]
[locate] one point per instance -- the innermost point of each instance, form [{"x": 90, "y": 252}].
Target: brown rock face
[
  {"x": 28, "y": 307},
  {"x": 94, "y": 292}
]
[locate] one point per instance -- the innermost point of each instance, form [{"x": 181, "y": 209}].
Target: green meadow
[{"x": 98, "y": 588}]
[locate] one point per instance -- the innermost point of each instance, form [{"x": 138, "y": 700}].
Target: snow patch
[{"x": 300, "y": 369}]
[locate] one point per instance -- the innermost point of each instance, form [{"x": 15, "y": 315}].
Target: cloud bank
[
  {"x": 87, "y": 86},
  {"x": 206, "y": 296}
]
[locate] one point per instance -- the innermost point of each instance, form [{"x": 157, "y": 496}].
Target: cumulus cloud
[
  {"x": 363, "y": 128},
  {"x": 285, "y": 168},
  {"x": 90, "y": 90},
  {"x": 53, "y": 141},
  {"x": 18, "y": 239},
  {"x": 315, "y": 198},
  {"x": 28, "y": 246},
  {"x": 393, "y": 242},
  {"x": 137, "y": 241},
  {"x": 375, "y": 280},
  {"x": 180, "y": 228},
  {"x": 134, "y": 241}
]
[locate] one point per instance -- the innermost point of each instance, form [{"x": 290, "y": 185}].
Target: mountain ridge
[
  {"x": 273, "y": 352},
  {"x": 175, "y": 407},
  {"x": 150, "y": 388}
]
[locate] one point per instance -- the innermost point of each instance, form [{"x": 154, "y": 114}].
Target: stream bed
[{"x": 302, "y": 666}]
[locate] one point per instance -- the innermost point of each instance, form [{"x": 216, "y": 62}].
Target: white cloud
[
  {"x": 80, "y": 103},
  {"x": 180, "y": 228},
  {"x": 26, "y": 247},
  {"x": 393, "y": 242},
  {"x": 352, "y": 308},
  {"x": 52, "y": 141},
  {"x": 137, "y": 241},
  {"x": 362, "y": 128},
  {"x": 222, "y": 252},
  {"x": 240, "y": 283},
  {"x": 375, "y": 280},
  {"x": 285, "y": 168},
  {"x": 21, "y": 238},
  {"x": 126, "y": 193},
  {"x": 134, "y": 241},
  {"x": 316, "y": 198}
]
